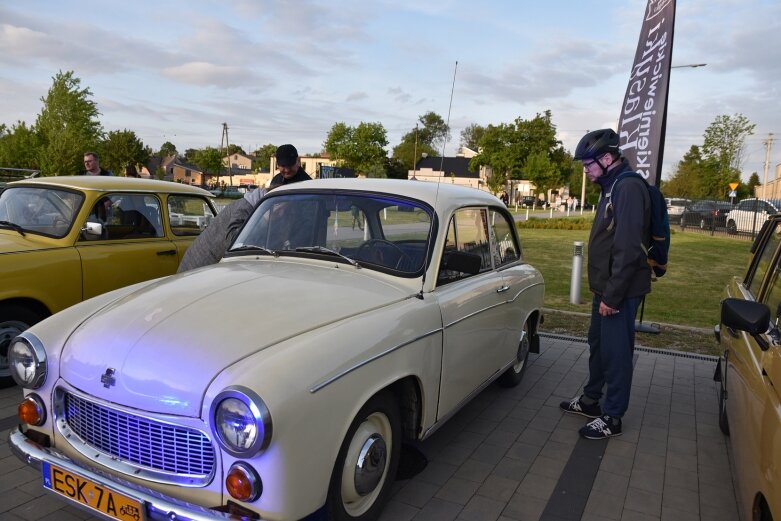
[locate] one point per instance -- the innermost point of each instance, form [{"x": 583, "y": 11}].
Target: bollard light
[{"x": 577, "y": 269}]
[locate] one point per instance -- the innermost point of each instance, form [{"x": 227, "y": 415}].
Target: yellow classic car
[
  {"x": 750, "y": 375},
  {"x": 66, "y": 239}
]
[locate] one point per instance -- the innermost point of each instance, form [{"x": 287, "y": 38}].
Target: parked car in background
[
  {"x": 66, "y": 239},
  {"x": 282, "y": 381},
  {"x": 706, "y": 215},
  {"x": 749, "y": 214},
  {"x": 749, "y": 373},
  {"x": 675, "y": 207}
]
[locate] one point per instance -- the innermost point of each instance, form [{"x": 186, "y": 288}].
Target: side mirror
[
  {"x": 746, "y": 315},
  {"x": 93, "y": 229},
  {"x": 464, "y": 262}
]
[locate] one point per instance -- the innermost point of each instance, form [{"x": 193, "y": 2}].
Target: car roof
[
  {"x": 111, "y": 183},
  {"x": 441, "y": 196}
]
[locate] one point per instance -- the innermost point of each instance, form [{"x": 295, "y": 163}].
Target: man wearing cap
[{"x": 289, "y": 166}]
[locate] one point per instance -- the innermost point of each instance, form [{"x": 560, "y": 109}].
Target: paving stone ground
[{"x": 512, "y": 455}]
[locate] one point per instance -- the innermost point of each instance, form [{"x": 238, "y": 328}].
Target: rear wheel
[
  {"x": 367, "y": 462},
  {"x": 13, "y": 320},
  {"x": 514, "y": 374}
]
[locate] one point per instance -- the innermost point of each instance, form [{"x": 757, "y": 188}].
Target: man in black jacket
[
  {"x": 619, "y": 276},
  {"x": 289, "y": 166},
  {"x": 92, "y": 165}
]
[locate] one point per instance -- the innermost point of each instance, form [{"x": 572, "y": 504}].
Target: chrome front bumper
[{"x": 158, "y": 507}]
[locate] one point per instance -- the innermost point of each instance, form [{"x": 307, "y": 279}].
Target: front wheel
[
  {"x": 732, "y": 228},
  {"x": 367, "y": 462},
  {"x": 13, "y": 320},
  {"x": 514, "y": 374}
]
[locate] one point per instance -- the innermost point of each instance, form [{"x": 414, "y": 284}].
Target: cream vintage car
[
  {"x": 66, "y": 239},
  {"x": 749, "y": 373},
  {"x": 348, "y": 316}
]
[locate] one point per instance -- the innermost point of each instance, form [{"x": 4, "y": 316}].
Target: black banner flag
[{"x": 643, "y": 119}]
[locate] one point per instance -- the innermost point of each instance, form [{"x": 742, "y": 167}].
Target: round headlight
[
  {"x": 27, "y": 361},
  {"x": 242, "y": 422}
]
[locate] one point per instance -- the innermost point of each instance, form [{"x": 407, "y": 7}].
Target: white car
[
  {"x": 348, "y": 316},
  {"x": 750, "y": 214}
]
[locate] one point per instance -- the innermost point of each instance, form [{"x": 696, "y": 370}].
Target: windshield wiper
[
  {"x": 13, "y": 226},
  {"x": 328, "y": 251},
  {"x": 253, "y": 248}
]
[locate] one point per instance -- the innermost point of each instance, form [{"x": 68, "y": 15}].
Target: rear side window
[
  {"x": 764, "y": 262},
  {"x": 188, "y": 214}
]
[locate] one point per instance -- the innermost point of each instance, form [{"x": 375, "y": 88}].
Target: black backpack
[{"x": 659, "y": 249}]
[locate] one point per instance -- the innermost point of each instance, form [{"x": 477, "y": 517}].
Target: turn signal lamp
[
  {"x": 243, "y": 483},
  {"x": 31, "y": 411}
]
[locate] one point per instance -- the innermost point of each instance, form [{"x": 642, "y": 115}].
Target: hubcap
[
  {"x": 370, "y": 465},
  {"x": 523, "y": 350}
]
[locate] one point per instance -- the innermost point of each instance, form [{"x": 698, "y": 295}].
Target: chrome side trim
[
  {"x": 476, "y": 313},
  {"x": 388, "y": 351},
  {"x": 157, "y": 506},
  {"x": 526, "y": 289}
]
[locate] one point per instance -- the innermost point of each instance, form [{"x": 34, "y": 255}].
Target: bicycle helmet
[{"x": 596, "y": 143}]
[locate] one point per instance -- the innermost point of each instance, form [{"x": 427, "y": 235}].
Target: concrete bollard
[{"x": 577, "y": 272}]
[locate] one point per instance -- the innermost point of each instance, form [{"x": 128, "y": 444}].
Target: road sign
[
  {"x": 733, "y": 186},
  {"x": 733, "y": 193}
]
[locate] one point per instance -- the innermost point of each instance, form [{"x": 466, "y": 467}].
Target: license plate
[{"x": 97, "y": 497}]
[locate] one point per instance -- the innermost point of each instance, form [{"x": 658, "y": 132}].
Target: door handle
[
  {"x": 167, "y": 252},
  {"x": 503, "y": 289}
]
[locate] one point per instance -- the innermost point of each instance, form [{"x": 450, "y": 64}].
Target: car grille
[{"x": 140, "y": 441}]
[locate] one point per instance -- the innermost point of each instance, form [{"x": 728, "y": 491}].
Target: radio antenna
[{"x": 447, "y": 123}]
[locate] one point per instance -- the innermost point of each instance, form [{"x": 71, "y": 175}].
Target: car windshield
[
  {"x": 375, "y": 231},
  {"x": 43, "y": 210}
]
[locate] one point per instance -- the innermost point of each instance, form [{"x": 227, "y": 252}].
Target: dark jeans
[{"x": 611, "y": 343}]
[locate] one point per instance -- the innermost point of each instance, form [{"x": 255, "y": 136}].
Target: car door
[
  {"x": 752, "y": 379},
  {"x": 475, "y": 332},
  {"x": 516, "y": 276},
  {"x": 131, "y": 248}
]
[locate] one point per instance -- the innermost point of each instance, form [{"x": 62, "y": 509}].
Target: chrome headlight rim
[
  {"x": 259, "y": 412},
  {"x": 35, "y": 351}
]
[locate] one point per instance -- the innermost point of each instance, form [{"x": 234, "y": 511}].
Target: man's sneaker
[
  {"x": 601, "y": 428},
  {"x": 576, "y": 406}
]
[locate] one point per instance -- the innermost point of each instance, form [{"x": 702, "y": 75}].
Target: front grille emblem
[{"x": 107, "y": 379}]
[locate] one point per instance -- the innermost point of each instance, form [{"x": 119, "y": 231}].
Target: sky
[{"x": 286, "y": 71}]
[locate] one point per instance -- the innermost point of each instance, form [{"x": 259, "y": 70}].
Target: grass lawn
[{"x": 688, "y": 295}]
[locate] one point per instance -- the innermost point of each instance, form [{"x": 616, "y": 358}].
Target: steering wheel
[{"x": 374, "y": 242}]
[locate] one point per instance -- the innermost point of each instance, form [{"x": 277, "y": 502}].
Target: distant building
[
  {"x": 454, "y": 170},
  {"x": 239, "y": 161}
]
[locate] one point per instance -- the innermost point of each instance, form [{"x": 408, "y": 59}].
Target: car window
[
  {"x": 188, "y": 214},
  {"x": 467, "y": 232},
  {"x": 772, "y": 296},
  {"x": 505, "y": 249},
  {"x": 764, "y": 260},
  {"x": 46, "y": 211},
  {"x": 124, "y": 216},
  {"x": 381, "y": 232}
]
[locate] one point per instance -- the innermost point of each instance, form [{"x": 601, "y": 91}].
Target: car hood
[
  {"x": 159, "y": 348},
  {"x": 13, "y": 242}
]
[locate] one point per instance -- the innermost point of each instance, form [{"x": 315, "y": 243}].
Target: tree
[
  {"x": 168, "y": 149},
  {"x": 506, "y": 147},
  {"x": 753, "y": 182},
  {"x": 67, "y": 126},
  {"x": 540, "y": 170},
  {"x": 360, "y": 148},
  {"x": 263, "y": 156},
  {"x": 235, "y": 149},
  {"x": 122, "y": 148},
  {"x": 209, "y": 160},
  {"x": 19, "y": 146},
  {"x": 725, "y": 142},
  {"x": 434, "y": 131},
  {"x": 470, "y": 136}
]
